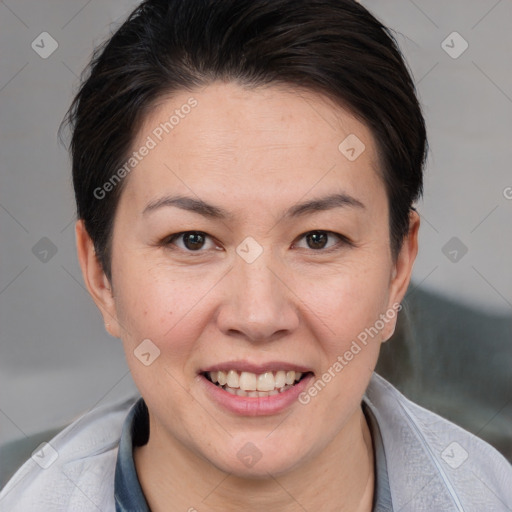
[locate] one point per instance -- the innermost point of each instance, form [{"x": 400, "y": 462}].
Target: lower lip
[{"x": 253, "y": 405}]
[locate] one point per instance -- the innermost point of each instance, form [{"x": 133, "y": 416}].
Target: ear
[
  {"x": 402, "y": 270},
  {"x": 95, "y": 279}
]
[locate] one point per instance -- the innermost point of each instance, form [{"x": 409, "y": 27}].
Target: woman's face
[{"x": 289, "y": 269}]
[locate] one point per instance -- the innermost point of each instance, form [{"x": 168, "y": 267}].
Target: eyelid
[
  {"x": 169, "y": 240},
  {"x": 342, "y": 240}
]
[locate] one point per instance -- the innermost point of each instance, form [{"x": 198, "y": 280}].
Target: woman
[{"x": 245, "y": 174}]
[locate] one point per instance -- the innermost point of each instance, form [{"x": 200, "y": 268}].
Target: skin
[{"x": 256, "y": 153}]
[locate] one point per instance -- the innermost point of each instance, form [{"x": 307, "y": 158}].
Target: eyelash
[{"x": 343, "y": 241}]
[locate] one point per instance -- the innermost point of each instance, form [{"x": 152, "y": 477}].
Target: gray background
[{"x": 57, "y": 361}]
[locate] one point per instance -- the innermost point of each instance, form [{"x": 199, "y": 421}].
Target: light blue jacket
[{"x": 433, "y": 465}]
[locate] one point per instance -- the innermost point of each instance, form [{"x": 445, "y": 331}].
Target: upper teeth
[{"x": 248, "y": 381}]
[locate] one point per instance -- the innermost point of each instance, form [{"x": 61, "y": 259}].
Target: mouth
[{"x": 255, "y": 385}]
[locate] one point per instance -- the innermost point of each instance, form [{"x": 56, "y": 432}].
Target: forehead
[{"x": 257, "y": 141}]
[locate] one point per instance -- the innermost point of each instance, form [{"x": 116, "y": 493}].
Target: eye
[
  {"x": 319, "y": 240},
  {"x": 191, "y": 241}
]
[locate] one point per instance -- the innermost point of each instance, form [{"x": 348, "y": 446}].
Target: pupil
[
  {"x": 193, "y": 240},
  {"x": 317, "y": 239}
]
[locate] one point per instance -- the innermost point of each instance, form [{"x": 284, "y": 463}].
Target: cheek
[
  {"x": 152, "y": 304},
  {"x": 346, "y": 301}
]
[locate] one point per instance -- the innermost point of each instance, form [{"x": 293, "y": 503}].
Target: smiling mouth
[{"x": 248, "y": 384}]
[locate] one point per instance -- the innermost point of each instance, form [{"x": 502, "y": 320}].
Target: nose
[{"x": 259, "y": 304}]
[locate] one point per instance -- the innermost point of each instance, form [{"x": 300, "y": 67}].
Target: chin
[{"x": 251, "y": 462}]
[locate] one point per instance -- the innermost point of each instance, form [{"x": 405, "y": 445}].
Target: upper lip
[{"x": 247, "y": 366}]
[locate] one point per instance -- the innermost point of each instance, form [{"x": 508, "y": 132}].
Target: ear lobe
[
  {"x": 388, "y": 332},
  {"x": 95, "y": 279}
]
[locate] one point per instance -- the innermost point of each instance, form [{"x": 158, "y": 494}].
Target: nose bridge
[
  {"x": 256, "y": 275},
  {"x": 259, "y": 304},
  {"x": 257, "y": 281}
]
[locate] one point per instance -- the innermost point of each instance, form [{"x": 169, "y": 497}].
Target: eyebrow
[{"x": 215, "y": 212}]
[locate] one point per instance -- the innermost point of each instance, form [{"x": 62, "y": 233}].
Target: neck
[{"x": 340, "y": 477}]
